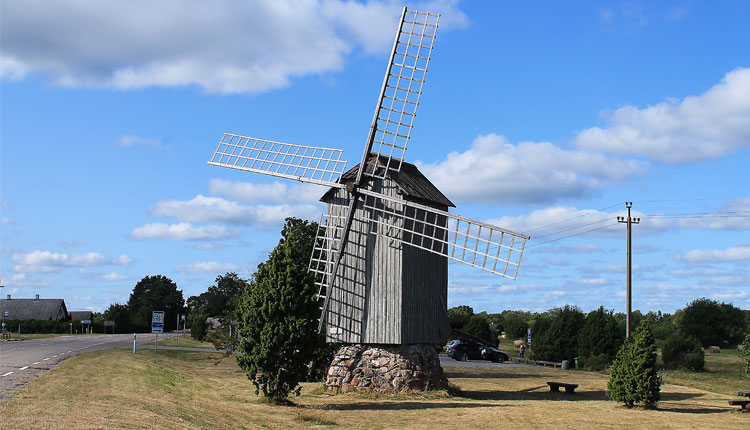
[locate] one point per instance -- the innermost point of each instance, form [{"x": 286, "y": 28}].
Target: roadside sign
[
  {"x": 6, "y": 314},
  {"x": 109, "y": 323},
  {"x": 85, "y": 321},
  {"x": 157, "y": 322},
  {"x": 528, "y": 336}
]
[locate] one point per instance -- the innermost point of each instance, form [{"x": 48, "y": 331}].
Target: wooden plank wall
[{"x": 400, "y": 297}]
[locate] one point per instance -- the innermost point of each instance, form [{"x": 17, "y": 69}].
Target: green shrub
[
  {"x": 745, "y": 355},
  {"x": 633, "y": 376},
  {"x": 198, "y": 326},
  {"x": 596, "y": 362},
  {"x": 682, "y": 352}
]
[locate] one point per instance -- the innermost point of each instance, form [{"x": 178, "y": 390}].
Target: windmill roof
[
  {"x": 412, "y": 183},
  {"x": 31, "y": 309}
]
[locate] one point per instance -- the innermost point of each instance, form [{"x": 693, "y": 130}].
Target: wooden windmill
[{"x": 383, "y": 247}]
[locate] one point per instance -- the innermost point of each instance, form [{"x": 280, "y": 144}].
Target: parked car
[{"x": 464, "y": 350}]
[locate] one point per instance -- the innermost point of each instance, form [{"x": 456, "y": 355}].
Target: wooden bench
[
  {"x": 743, "y": 404},
  {"x": 554, "y": 387}
]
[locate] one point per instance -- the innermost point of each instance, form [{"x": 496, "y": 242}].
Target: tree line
[{"x": 566, "y": 333}]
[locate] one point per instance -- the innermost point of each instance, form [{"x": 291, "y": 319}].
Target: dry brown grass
[{"x": 188, "y": 390}]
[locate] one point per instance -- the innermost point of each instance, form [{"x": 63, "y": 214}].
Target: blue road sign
[
  {"x": 157, "y": 322},
  {"x": 528, "y": 336}
]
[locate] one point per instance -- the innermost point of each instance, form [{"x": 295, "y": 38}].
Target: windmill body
[{"x": 388, "y": 291}]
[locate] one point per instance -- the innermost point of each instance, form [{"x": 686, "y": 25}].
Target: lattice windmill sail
[{"x": 381, "y": 256}]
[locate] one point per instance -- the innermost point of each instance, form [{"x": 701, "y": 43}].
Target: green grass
[
  {"x": 186, "y": 341},
  {"x": 722, "y": 375}
]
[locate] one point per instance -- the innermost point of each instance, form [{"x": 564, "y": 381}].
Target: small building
[
  {"x": 34, "y": 309},
  {"x": 81, "y": 315}
]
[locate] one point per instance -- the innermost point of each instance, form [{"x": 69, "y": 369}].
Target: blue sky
[{"x": 532, "y": 114}]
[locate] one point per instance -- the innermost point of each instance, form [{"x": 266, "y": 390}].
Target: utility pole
[{"x": 629, "y": 221}]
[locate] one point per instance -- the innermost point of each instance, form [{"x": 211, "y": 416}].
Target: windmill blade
[
  {"x": 322, "y": 166},
  {"x": 327, "y": 243},
  {"x": 402, "y": 89},
  {"x": 471, "y": 242}
]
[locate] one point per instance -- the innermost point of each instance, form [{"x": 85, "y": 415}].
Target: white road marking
[
  {"x": 24, "y": 368},
  {"x": 6, "y": 374},
  {"x": 46, "y": 359},
  {"x": 54, "y": 356},
  {"x": 70, "y": 351},
  {"x": 35, "y": 363}
]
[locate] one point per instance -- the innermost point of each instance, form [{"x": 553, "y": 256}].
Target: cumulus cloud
[
  {"x": 276, "y": 192},
  {"x": 224, "y": 46},
  {"x": 47, "y": 262},
  {"x": 740, "y": 254},
  {"x": 113, "y": 276},
  {"x": 495, "y": 171},
  {"x": 208, "y": 267},
  {"x": 217, "y": 209},
  {"x": 544, "y": 224},
  {"x": 182, "y": 231},
  {"x": 23, "y": 280},
  {"x": 697, "y": 128},
  {"x": 735, "y": 215}
]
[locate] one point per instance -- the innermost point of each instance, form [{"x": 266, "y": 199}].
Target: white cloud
[
  {"x": 223, "y": 46},
  {"x": 740, "y": 254},
  {"x": 594, "y": 281},
  {"x": 182, "y": 231},
  {"x": 697, "y": 128},
  {"x": 23, "y": 280},
  {"x": 494, "y": 171},
  {"x": 217, "y": 209},
  {"x": 276, "y": 192},
  {"x": 735, "y": 215},
  {"x": 46, "y": 261},
  {"x": 545, "y": 224},
  {"x": 129, "y": 141},
  {"x": 113, "y": 276},
  {"x": 208, "y": 267}
]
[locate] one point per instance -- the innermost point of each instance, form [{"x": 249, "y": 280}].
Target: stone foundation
[{"x": 386, "y": 369}]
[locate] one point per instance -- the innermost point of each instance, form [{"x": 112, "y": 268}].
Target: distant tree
[
  {"x": 664, "y": 326},
  {"x": 278, "y": 316},
  {"x": 498, "y": 320},
  {"x": 556, "y": 336},
  {"x": 682, "y": 352},
  {"x": 155, "y": 293},
  {"x": 198, "y": 325},
  {"x": 633, "y": 375},
  {"x": 515, "y": 324},
  {"x": 713, "y": 323},
  {"x": 479, "y": 326},
  {"x": 219, "y": 301},
  {"x": 459, "y": 316},
  {"x": 600, "y": 335},
  {"x": 120, "y": 314}
]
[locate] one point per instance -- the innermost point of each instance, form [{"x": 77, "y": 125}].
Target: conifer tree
[
  {"x": 278, "y": 316},
  {"x": 633, "y": 375}
]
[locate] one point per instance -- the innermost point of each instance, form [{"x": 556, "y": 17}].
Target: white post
[
  {"x": 133, "y": 343},
  {"x": 156, "y": 344}
]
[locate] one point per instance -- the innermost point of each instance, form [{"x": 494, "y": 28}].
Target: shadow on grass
[
  {"x": 408, "y": 405},
  {"x": 535, "y": 393}
]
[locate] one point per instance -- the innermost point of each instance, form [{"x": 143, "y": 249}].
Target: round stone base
[{"x": 386, "y": 369}]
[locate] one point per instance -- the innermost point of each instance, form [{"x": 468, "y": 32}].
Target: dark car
[{"x": 464, "y": 350}]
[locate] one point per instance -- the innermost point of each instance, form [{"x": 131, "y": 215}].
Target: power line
[
  {"x": 575, "y": 217},
  {"x": 573, "y": 235},
  {"x": 574, "y": 228}
]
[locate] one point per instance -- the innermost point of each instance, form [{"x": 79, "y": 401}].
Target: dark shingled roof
[
  {"x": 411, "y": 182},
  {"x": 31, "y": 309},
  {"x": 81, "y": 315}
]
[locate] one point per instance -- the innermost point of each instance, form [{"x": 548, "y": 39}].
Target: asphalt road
[
  {"x": 21, "y": 360},
  {"x": 447, "y": 361}
]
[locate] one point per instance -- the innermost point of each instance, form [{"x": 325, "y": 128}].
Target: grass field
[
  {"x": 721, "y": 374},
  {"x": 35, "y": 336},
  {"x": 187, "y": 341},
  {"x": 193, "y": 390}
]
